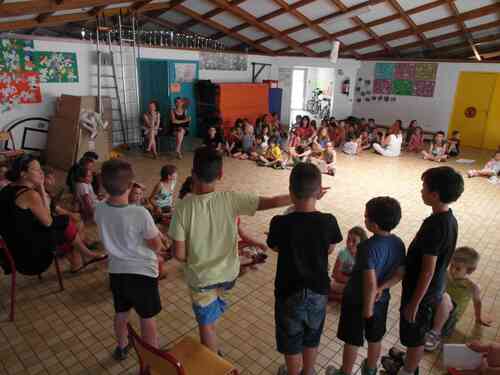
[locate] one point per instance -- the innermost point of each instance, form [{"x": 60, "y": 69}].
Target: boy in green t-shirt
[{"x": 205, "y": 235}]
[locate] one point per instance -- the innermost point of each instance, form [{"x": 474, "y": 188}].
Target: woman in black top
[
  {"x": 180, "y": 123},
  {"x": 27, "y": 225}
]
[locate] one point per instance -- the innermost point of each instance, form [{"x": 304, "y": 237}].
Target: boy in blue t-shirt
[{"x": 362, "y": 314}]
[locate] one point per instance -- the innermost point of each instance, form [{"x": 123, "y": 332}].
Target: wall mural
[
  {"x": 405, "y": 79},
  {"x": 223, "y": 61},
  {"x": 19, "y": 88}
]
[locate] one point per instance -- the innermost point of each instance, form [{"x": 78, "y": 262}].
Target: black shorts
[
  {"x": 413, "y": 334},
  {"x": 354, "y": 328},
  {"x": 135, "y": 291}
]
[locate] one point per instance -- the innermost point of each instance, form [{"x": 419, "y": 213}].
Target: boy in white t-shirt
[{"x": 133, "y": 242}]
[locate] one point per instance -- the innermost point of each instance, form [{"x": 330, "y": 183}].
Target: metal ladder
[{"x": 117, "y": 77}]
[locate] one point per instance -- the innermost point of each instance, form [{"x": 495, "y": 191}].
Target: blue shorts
[
  {"x": 299, "y": 321},
  {"x": 208, "y": 305}
]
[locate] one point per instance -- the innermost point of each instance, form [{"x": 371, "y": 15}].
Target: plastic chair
[
  {"x": 188, "y": 357},
  {"x": 12, "y": 265}
]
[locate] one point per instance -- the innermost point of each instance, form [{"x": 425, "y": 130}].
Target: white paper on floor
[
  {"x": 465, "y": 161},
  {"x": 461, "y": 357}
]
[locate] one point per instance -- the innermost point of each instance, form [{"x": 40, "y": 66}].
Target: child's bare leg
[
  {"x": 75, "y": 259},
  {"x": 148, "y": 332},
  {"x": 82, "y": 248},
  {"x": 374, "y": 349},
  {"x": 442, "y": 313},
  {"x": 309, "y": 359},
  {"x": 413, "y": 357},
  {"x": 426, "y": 155},
  {"x": 293, "y": 364},
  {"x": 236, "y": 155},
  {"x": 348, "y": 358},
  {"x": 121, "y": 320},
  {"x": 208, "y": 336}
]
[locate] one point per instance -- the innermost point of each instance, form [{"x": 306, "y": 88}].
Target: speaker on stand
[{"x": 207, "y": 105}]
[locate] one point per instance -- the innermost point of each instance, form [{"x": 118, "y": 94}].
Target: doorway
[
  {"x": 298, "y": 89},
  {"x": 475, "y": 113}
]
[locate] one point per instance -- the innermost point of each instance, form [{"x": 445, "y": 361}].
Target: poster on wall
[
  {"x": 223, "y": 61},
  {"x": 12, "y": 54},
  {"x": 185, "y": 72},
  {"x": 405, "y": 79},
  {"x": 19, "y": 88},
  {"x": 52, "y": 66}
]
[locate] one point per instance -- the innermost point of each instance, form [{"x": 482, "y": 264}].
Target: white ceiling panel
[
  {"x": 442, "y": 30},
  {"x": 449, "y": 42},
  {"x": 390, "y": 27},
  {"x": 229, "y": 42},
  {"x": 482, "y": 20},
  {"x": 353, "y": 37},
  {"x": 377, "y": 11},
  {"x": 227, "y": 19},
  {"x": 466, "y": 5},
  {"x": 369, "y": 49},
  {"x": 120, "y": 5},
  {"x": 175, "y": 17},
  {"x": 18, "y": 18},
  {"x": 202, "y": 29},
  {"x": 350, "y": 3},
  {"x": 402, "y": 41},
  {"x": 304, "y": 35},
  {"x": 321, "y": 46},
  {"x": 483, "y": 33},
  {"x": 317, "y": 9},
  {"x": 274, "y": 44},
  {"x": 433, "y": 14},
  {"x": 252, "y": 33},
  {"x": 259, "y": 8},
  {"x": 336, "y": 26},
  {"x": 285, "y": 21},
  {"x": 410, "y": 4},
  {"x": 199, "y": 6},
  {"x": 72, "y": 11}
]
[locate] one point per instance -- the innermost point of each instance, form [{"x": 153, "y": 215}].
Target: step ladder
[{"x": 117, "y": 77}]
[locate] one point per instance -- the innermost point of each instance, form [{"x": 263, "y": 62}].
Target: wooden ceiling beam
[
  {"x": 239, "y": 12},
  {"x": 43, "y": 16},
  {"x": 160, "y": 22},
  {"x": 209, "y": 14},
  {"x": 465, "y": 33},
  {"x": 139, "y": 4},
  {"x": 444, "y": 51},
  {"x": 172, "y": 5},
  {"x": 218, "y": 26}
]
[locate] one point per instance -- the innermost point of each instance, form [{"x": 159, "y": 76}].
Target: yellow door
[
  {"x": 492, "y": 134},
  {"x": 472, "y": 103}
]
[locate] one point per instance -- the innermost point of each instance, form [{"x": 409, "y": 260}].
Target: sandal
[
  {"x": 391, "y": 365},
  {"x": 89, "y": 262},
  {"x": 397, "y": 354},
  {"x": 256, "y": 259}
]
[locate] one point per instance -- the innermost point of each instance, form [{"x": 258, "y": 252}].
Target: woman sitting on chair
[
  {"x": 180, "y": 123},
  {"x": 28, "y": 228},
  {"x": 151, "y": 127}
]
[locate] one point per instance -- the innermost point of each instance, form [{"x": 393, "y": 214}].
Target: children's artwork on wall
[
  {"x": 384, "y": 70},
  {"x": 382, "y": 86},
  {"x": 185, "y": 72},
  {"x": 425, "y": 88},
  {"x": 52, "y": 66},
  {"x": 12, "y": 54},
  {"x": 426, "y": 71},
  {"x": 402, "y": 87},
  {"x": 16, "y": 43},
  {"x": 405, "y": 71},
  {"x": 223, "y": 61},
  {"x": 393, "y": 99},
  {"x": 19, "y": 88},
  {"x": 405, "y": 79}
]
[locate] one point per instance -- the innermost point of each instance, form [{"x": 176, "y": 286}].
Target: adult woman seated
[
  {"x": 28, "y": 228},
  {"x": 391, "y": 143},
  {"x": 152, "y": 127},
  {"x": 180, "y": 122}
]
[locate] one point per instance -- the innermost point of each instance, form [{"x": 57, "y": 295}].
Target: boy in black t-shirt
[
  {"x": 427, "y": 260},
  {"x": 377, "y": 259},
  {"x": 303, "y": 240}
]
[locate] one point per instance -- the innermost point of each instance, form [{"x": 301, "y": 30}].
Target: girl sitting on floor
[
  {"x": 454, "y": 144},
  {"x": 234, "y": 145},
  {"x": 364, "y": 141},
  {"x": 213, "y": 139},
  {"x": 322, "y": 138},
  {"x": 351, "y": 146},
  {"x": 491, "y": 168},
  {"x": 162, "y": 196},
  {"x": 416, "y": 141},
  {"x": 437, "y": 149},
  {"x": 273, "y": 156},
  {"x": 345, "y": 263}
]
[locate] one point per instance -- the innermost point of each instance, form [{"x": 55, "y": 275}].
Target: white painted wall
[{"x": 433, "y": 114}]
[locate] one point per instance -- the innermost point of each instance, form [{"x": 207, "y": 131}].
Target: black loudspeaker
[{"x": 207, "y": 107}]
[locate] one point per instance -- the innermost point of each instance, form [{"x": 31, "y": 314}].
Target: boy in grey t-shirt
[{"x": 132, "y": 240}]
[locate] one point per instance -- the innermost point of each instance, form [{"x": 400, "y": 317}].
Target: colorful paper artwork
[
  {"x": 185, "y": 72},
  {"x": 426, "y": 72},
  {"x": 55, "y": 66},
  {"x": 12, "y": 54},
  {"x": 19, "y": 88},
  {"x": 405, "y": 71},
  {"x": 425, "y": 88},
  {"x": 384, "y": 71},
  {"x": 405, "y": 79},
  {"x": 382, "y": 86},
  {"x": 16, "y": 43},
  {"x": 223, "y": 61}
]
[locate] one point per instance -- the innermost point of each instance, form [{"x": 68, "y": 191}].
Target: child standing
[
  {"x": 363, "y": 315},
  {"x": 162, "y": 196},
  {"x": 437, "y": 149},
  {"x": 427, "y": 259},
  {"x": 303, "y": 239},
  {"x": 460, "y": 290},
  {"x": 345, "y": 263},
  {"x": 491, "y": 168},
  {"x": 204, "y": 232},
  {"x": 132, "y": 240}
]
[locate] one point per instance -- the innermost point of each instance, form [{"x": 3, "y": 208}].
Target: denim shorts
[
  {"x": 299, "y": 321},
  {"x": 208, "y": 305}
]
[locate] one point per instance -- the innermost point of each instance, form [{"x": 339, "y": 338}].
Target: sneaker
[
  {"x": 121, "y": 354},
  {"x": 367, "y": 371},
  {"x": 331, "y": 370},
  {"x": 432, "y": 341}
]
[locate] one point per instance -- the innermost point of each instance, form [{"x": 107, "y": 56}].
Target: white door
[
  {"x": 298, "y": 88},
  {"x": 285, "y": 83}
]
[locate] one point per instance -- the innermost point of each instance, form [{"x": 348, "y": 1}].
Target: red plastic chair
[{"x": 12, "y": 265}]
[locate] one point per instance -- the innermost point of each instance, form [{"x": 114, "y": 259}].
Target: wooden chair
[
  {"x": 6, "y": 136},
  {"x": 188, "y": 357},
  {"x": 12, "y": 265}
]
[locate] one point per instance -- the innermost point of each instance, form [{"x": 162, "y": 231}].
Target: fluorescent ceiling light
[{"x": 348, "y": 15}]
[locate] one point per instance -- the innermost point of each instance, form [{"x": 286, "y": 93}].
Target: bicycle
[{"x": 314, "y": 104}]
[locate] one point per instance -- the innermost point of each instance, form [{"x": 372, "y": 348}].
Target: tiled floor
[{"x": 71, "y": 332}]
